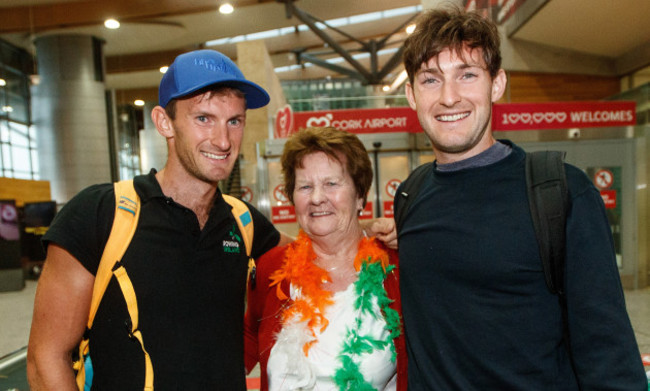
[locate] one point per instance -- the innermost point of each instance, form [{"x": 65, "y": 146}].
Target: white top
[{"x": 289, "y": 369}]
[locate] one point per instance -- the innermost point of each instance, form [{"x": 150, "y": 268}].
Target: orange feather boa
[{"x": 300, "y": 270}]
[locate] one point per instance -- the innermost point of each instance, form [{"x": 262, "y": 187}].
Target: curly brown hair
[
  {"x": 453, "y": 29},
  {"x": 335, "y": 143}
]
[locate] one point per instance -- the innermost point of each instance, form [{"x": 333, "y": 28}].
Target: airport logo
[{"x": 392, "y": 119}]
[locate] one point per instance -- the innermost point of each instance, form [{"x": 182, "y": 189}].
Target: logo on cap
[{"x": 211, "y": 65}]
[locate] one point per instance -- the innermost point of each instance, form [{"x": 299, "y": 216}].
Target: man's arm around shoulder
[{"x": 61, "y": 309}]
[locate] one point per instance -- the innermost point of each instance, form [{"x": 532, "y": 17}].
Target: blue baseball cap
[{"x": 198, "y": 69}]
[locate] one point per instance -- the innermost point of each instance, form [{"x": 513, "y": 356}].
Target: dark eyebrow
[
  {"x": 461, "y": 67},
  {"x": 466, "y": 65},
  {"x": 241, "y": 116}
]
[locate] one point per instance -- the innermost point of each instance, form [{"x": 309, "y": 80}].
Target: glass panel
[
  {"x": 16, "y": 156},
  {"x": 4, "y": 132},
  {"x": 20, "y": 157},
  {"x": 19, "y": 110},
  {"x": 393, "y": 169},
  {"x": 18, "y": 135},
  {"x": 6, "y": 159},
  {"x": 283, "y": 214},
  {"x": 35, "y": 163},
  {"x": 32, "y": 138},
  {"x": 334, "y": 94},
  {"x": 22, "y": 175}
]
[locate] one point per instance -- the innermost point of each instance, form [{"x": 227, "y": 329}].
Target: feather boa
[{"x": 306, "y": 312}]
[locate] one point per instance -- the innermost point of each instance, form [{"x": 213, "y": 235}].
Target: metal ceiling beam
[
  {"x": 310, "y": 22},
  {"x": 371, "y": 76},
  {"x": 332, "y": 67},
  {"x": 392, "y": 63}
]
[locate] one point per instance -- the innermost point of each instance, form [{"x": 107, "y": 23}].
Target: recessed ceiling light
[
  {"x": 3, "y": 82},
  {"x": 138, "y": 102},
  {"x": 226, "y": 9},
  {"x": 112, "y": 24},
  {"x": 163, "y": 69}
]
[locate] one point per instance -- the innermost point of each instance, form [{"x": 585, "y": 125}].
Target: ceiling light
[
  {"x": 163, "y": 69},
  {"x": 410, "y": 28},
  {"x": 138, "y": 102},
  {"x": 226, "y": 9},
  {"x": 112, "y": 24},
  {"x": 3, "y": 82},
  {"x": 385, "y": 88}
]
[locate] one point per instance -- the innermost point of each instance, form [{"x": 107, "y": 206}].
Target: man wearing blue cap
[{"x": 189, "y": 286}]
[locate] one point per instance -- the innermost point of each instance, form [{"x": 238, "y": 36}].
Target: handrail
[{"x": 13, "y": 358}]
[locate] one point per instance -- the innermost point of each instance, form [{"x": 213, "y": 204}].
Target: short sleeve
[{"x": 83, "y": 225}]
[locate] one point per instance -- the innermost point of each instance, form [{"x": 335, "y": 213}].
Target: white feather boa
[{"x": 290, "y": 341}]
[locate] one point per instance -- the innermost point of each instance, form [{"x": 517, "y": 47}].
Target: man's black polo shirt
[{"x": 189, "y": 285}]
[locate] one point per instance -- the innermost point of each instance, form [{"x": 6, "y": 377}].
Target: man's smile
[
  {"x": 214, "y": 156},
  {"x": 452, "y": 117}
]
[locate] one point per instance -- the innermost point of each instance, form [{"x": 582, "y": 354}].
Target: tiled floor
[{"x": 16, "y": 317}]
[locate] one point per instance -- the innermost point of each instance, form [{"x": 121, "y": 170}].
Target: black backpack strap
[
  {"x": 408, "y": 192},
  {"x": 548, "y": 197}
]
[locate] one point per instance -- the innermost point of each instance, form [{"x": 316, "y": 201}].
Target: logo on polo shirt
[{"x": 234, "y": 244}]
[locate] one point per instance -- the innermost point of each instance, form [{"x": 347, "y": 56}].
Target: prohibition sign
[
  {"x": 391, "y": 187},
  {"x": 246, "y": 194},
  {"x": 279, "y": 194},
  {"x": 603, "y": 179}
]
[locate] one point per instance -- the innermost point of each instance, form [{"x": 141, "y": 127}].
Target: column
[{"x": 69, "y": 113}]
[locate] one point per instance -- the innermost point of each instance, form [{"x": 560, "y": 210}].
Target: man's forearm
[{"x": 46, "y": 374}]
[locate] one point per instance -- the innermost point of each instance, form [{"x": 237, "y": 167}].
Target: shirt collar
[
  {"x": 498, "y": 151},
  {"x": 149, "y": 188}
]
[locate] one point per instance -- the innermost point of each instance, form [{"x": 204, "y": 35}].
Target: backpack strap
[
  {"x": 127, "y": 212},
  {"x": 245, "y": 223},
  {"x": 548, "y": 197},
  {"x": 408, "y": 192},
  {"x": 132, "y": 323}
]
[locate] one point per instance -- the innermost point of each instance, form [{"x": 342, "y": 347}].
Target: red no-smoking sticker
[
  {"x": 279, "y": 194},
  {"x": 391, "y": 187},
  {"x": 603, "y": 179}
]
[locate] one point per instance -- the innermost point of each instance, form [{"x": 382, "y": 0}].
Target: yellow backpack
[{"x": 127, "y": 212}]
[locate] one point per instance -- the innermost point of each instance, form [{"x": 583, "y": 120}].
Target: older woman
[{"x": 324, "y": 314}]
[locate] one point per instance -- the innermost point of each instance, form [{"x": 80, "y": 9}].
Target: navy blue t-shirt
[{"x": 477, "y": 312}]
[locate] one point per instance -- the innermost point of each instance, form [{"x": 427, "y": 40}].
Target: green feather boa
[{"x": 369, "y": 286}]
